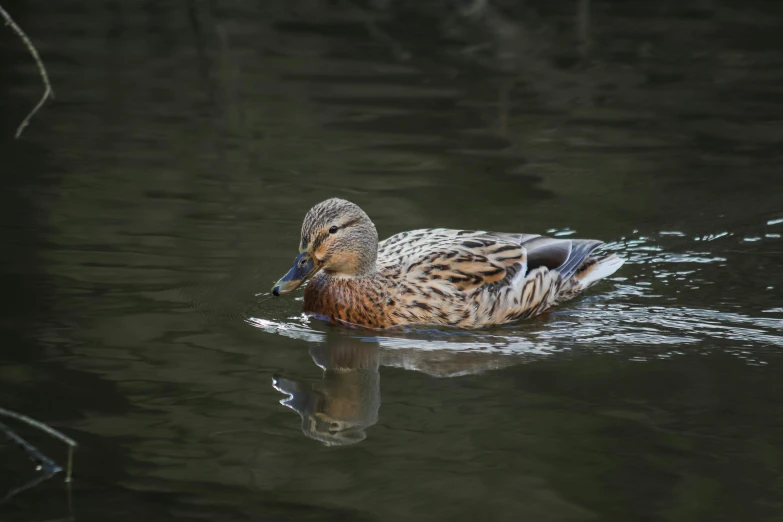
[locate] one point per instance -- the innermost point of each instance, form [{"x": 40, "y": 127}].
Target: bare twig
[
  {"x": 46, "y": 465},
  {"x": 40, "y": 425},
  {"x": 48, "y": 91},
  {"x": 36, "y": 456},
  {"x": 51, "y": 431}
]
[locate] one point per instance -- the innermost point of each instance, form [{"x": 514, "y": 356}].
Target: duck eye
[{"x": 334, "y": 229}]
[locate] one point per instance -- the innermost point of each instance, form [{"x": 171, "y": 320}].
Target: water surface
[{"x": 147, "y": 211}]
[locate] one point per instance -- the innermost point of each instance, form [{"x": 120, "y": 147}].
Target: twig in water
[
  {"x": 48, "y": 467},
  {"x": 51, "y": 431},
  {"x": 48, "y": 91},
  {"x": 36, "y": 456}
]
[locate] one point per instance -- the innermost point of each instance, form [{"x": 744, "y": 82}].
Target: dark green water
[{"x": 146, "y": 212}]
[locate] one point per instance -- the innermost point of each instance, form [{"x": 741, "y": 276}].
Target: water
[{"x": 146, "y": 212}]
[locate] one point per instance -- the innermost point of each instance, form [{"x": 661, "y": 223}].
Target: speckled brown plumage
[
  {"x": 461, "y": 278},
  {"x": 359, "y": 300}
]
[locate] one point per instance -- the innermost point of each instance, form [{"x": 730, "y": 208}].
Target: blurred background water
[{"x": 146, "y": 211}]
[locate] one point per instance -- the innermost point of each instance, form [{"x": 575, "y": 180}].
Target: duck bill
[{"x": 304, "y": 267}]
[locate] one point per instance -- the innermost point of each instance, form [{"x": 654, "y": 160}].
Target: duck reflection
[
  {"x": 445, "y": 363},
  {"x": 337, "y": 409}
]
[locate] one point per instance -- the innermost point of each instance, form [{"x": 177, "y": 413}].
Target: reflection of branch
[
  {"x": 48, "y": 92},
  {"x": 504, "y": 106},
  {"x": 583, "y": 25},
  {"x": 43, "y": 427},
  {"x": 380, "y": 36},
  {"x": 201, "y": 48},
  {"x": 29, "y": 485}
]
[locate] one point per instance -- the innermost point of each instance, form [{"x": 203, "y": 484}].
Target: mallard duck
[{"x": 435, "y": 276}]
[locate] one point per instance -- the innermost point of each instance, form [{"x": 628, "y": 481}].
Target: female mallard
[{"x": 460, "y": 278}]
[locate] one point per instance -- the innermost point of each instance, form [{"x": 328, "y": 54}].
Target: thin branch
[
  {"x": 51, "y": 431},
  {"x": 35, "y": 455},
  {"x": 48, "y": 91},
  {"x": 40, "y": 425},
  {"x": 46, "y": 465}
]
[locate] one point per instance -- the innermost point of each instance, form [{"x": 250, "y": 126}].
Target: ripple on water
[{"x": 640, "y": 310}]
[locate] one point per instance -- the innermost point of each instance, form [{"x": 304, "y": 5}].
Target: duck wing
[
  {"x": 474, "y": 278},
  {"x": 472, "y": 258}
]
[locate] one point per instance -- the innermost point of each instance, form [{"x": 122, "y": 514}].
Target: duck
[{"x": 434, "y": 276}]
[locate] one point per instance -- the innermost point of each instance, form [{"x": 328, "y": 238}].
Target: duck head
[{"x": 338, "y": 238}]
